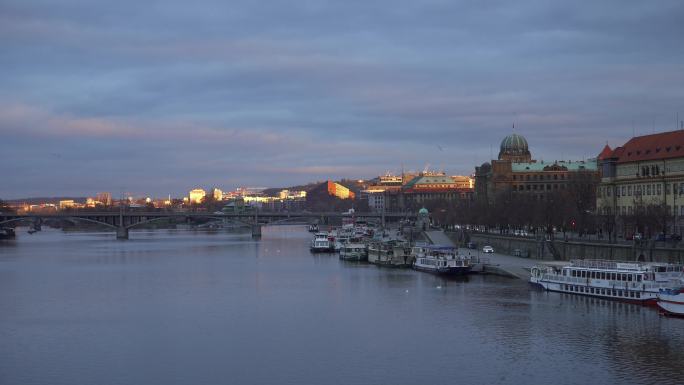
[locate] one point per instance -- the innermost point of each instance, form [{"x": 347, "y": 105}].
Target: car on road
[
  {"x": 487, "y": 249},
  {"x": 668, "y": 237}
]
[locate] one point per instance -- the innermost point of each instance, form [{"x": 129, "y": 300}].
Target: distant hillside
[
  {"x": 37, "y": 200},
  {"x": 305, "y": 187}
]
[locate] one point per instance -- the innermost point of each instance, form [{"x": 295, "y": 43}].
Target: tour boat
[
  {"x": 627, "y": 281},
  {"x": 671, "y": 300},
  {"x": 321, "y": 243},
  {"x": 353, "y": 250},
  {"x": 440, "y": 260},
  {"x": 390, "y": 253},
  {"x": 7, "y": 233}
]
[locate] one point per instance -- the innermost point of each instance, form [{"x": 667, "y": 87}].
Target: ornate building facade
[
  {"x": 515, "y": 172},
  {"x": 644, "y": 176}
]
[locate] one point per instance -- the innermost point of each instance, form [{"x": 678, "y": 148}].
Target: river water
[{"x": 182, "y": 307}]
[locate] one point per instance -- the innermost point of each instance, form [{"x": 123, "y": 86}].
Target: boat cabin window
[
  {"x": 638, "y": 278},
  {"x": 629, "y": 277}
]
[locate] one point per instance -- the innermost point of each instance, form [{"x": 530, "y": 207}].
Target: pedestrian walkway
[
  {"x": 514, "y": 266},
  {"x": 437, "y": 237}
]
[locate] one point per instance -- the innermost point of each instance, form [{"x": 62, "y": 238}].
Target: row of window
[
  {"x": 602, "y": 291},
  {"x": 642, "y": 189},
  {"x": 605, "y": 275},
  {"x": 652, "y": 170},
  {"x": 535, "y": 187},
  {"x": 629, "y": 210},
  {"x": 539, "y": 177}
]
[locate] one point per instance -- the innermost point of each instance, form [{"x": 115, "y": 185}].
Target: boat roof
[
  {"x": 439, "y": 247},
  {"x": 614, "y": 265}
]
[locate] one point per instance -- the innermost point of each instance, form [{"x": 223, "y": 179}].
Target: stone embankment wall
[{"x": 541, "y": 249}]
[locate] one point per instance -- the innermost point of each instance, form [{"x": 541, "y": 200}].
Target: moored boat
[
  {"x": 627, "y": 281},
  {"x": 671, "y": 300},
  {"x": 7, "y": 233},
  {"x": 440, "y": 260},
  {"x": 353, "y": 250},
  {"x": 390, "y": 253},
  {"x": 321, "y": 243}
]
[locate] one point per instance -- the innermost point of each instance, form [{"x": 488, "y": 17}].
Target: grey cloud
[{"x": 265, "y": 92}]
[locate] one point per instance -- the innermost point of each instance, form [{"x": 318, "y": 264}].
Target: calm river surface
[{"x": 176, "y": 307}]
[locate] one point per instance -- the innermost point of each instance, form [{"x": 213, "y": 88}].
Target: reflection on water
[{"x": 178, "y": 307}]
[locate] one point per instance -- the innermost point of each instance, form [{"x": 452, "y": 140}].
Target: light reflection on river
[{"x": 174, "y": 307}]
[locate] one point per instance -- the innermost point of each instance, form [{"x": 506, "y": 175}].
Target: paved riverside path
[
  {"x": 501, "y": 264},
  {"x": 438, "y": 238},
  {"x": 508, "y": 264}
]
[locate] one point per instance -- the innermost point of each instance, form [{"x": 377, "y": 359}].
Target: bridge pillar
[
  {"x": 121, "y": 233},
  {"x": 256, "y": 231}
]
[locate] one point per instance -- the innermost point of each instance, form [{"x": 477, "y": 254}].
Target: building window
[
  {"x": 648, "y": 189},
  {"x": 624, "y": 189},
  {"x": 629, "y": 190},
  {"x": 658, "y": 189}
]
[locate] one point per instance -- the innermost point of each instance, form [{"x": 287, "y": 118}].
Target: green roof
[
  {"x": 581, "y": 165},
  {"x": 429, "y": 179}
]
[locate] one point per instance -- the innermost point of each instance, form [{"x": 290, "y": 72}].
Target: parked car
[
  {"x": 635, "y": 237},
  {"x": 487, "y": 249},
  {"x": 668, "y": 237}
]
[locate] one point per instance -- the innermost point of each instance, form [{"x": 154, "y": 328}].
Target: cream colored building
[
  {"x": 196, "y": 195},
  {"x": 647, "y": 172},
  {"x": 217, "y": 194}
]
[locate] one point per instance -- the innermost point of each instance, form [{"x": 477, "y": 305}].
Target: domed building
[
  {"x": 514, "y": 148},
  {"x": 515, "y": 172}
]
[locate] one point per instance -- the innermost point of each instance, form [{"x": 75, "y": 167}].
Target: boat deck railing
[{"x": 603, "y": 264}]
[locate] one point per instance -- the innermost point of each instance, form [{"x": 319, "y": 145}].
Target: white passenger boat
[
  {"x": 628, "y": 281},
  {"x": 440, "y": 260},
  {"x": 321, "y": 243},
  {"x": 353, "y": 250},
  {"x": 671, "y": 300}
]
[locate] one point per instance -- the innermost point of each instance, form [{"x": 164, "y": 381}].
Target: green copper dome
[
  {"x": 423, "y": 211},
  {"x": 515, "y": 144}
]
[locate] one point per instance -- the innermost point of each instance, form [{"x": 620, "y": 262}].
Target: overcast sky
[{"x": 157, "y": 97}]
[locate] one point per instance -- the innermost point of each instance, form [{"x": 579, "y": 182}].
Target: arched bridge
[{"x": 122, "y": 222}]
